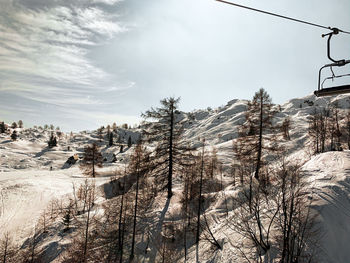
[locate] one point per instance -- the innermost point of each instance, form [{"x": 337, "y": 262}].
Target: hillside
[{"x": 32, "y": 175}]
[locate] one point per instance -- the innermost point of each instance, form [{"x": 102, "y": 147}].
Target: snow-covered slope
[
  {"x": 31, "y": 174},
  {"x": 329, "y": 178}
]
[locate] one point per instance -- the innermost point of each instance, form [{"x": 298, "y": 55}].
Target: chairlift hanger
[
  {"x": 320, "y": 92},
  {"x": 335, "y": 90}
]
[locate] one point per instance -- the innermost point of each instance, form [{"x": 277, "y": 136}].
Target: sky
[{"x": 80, "y": 64}]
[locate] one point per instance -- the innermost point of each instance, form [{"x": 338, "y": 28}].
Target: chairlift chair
[{"x": 336, "y": 90}]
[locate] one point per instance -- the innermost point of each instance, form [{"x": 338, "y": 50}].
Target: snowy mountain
[{"x": 32, "y": 175}]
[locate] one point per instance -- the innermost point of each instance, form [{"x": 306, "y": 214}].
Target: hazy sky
[{"x": 80, "y": 64}]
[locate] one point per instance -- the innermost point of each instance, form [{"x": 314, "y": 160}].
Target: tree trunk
[
  {"x": 93, "y": 163},
  {"x": 258, "y": 161},
  {"x": 199, "y": 204},
  {"x": 135, "y": 214},
  {"x": 120, "y": 243},
  {"x": 5, "y": 248},
  {"x": 170, "y": 175},
  {"x": 86, "y": 234}
]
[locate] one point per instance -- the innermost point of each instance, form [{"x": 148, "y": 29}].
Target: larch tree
[
  {"x": 285, "y": 127},
  {"x": 129, "y": 142},
  {"x": 139, "y": 165},
  {"x": 2, "y": 127},
  {"x": 100, "y": 134},
  {"x": 165, "y": 131},
  {"x": 347, "y": 126},
  {"x": 20, "y": 124},
  {"x": 92, "y": 158},
  {"x": 253, "y": 141},
  {"x": 52, "y": 141},
  {"x": 14, "y": 135},
  {"x": 334, "y": 128},
  {"x": 7, "y": 248},
  {"x": 110, "y": 141}
]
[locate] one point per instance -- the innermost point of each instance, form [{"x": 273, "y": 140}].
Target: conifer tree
[
  {"x": 67, "y": 217},
  {"x": 7, "y": 248},
  {"x": 166, "y": 133},
  {"x": 347, "y": 126},
  {"x": 14, "y": 125},
  {"x": 2, "y": 127},
  {"x": 253, "y": 141},
  {"x": 52, "y": 141},
  {"x": 285, "y": 128},
  {"x": 99, "y": 134},
  {"x": 129, "y": 142},
  {"x": 335, "y": 132},
  {"x": 92, "y": 159},
  {"x": 110, "y": 141},
  {"x": 14, "y": 135},
  {"x": 108, "y": 131},
  {"x": 139, "y": 165},
  {"x": 20, "y": 124}
]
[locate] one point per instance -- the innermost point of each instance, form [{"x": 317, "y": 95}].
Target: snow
[
  {"x": 25, "y": 194},
  {"x": 27, "y": 183},
  {"x": 329, "y": 178}
]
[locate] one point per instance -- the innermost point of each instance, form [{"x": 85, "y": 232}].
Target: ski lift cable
[{"x": 282, "y": 16}]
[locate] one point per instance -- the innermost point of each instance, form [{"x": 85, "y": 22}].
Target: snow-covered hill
[
  {"x": 31, "y": 174},
  {"x": 329, "y": 178}
]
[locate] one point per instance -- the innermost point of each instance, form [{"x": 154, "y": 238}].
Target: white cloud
[
  {"x": 108, "y": 2},
  {"x": 44, "y": 49}
]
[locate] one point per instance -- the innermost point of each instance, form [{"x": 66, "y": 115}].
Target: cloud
[{"x": 45, "y": 47}]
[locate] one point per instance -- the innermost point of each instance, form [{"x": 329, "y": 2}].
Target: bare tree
[
  {"x": 139, "y": 165},
  {"x": 314, "y": 130},
  {"x": 253, "y": 140},
  {"x": 92, "y": 159},
  {"x": 285, "y": 127},
  {"x": 347, "y": 127},
  {"x": 283, "y": 207},
  {"x": 297, "y": 234},
  {"x": 166, "y": 132},
  {"x": 7, "y": 249},
  {"x": 83, "y": 240}
]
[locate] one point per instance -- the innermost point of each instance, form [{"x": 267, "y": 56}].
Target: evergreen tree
[
  {"x": 166, "y": 132},
  {"x": 67, "y": 217},
  {"x": 110, "y": 142},
  {"x": 2, "y": 127},
  {"x": 92, "y": 158},
  {"x": 108, "y": 131},
  {"x": 14, "y": 125},
  {"x": 52, "y": 141},
  {"x": 14, "y": 135},
  {"x": 99, "y": 134},
  {"x": 129, "y": 142},
  {"x": 20, "y": 124}
]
